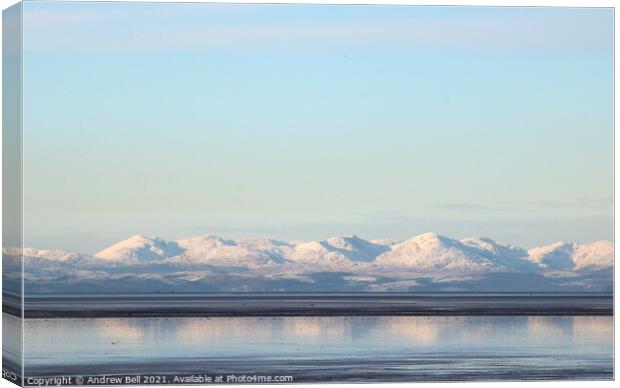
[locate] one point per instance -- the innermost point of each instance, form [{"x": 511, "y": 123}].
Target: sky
[{"x": 308, "y": 121}]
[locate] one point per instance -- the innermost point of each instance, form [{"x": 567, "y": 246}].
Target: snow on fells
[
  {"x": 428, "y": 252},
  {"x": 564, "y": 256},
  {"x": 140, "y": 248}
]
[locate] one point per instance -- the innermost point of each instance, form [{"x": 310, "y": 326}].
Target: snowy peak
[
  {"x": 425, "y": 243},
  {"x": 140, "y": 248},
  {"x": 214, "y": 250},
  {"x": 344, "y": 250},
  {"x": 506, "y": 256},
  {"x": 597, "y": 255},
  {"x": 316, "y": 253},
  {"x": 429, "y": 238},
  {"x": 203, "y": 244},
  {"x": 564, "y": 256},
  {"x": 355, "y": 248},
  {"x": 557, "y": 256},
  {"x": 433, "y": 252},
  {"x": 484, "y": 244}
]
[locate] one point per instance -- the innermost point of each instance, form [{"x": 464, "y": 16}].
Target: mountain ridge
[
  {"x": 432, "y": 246},
  {"x": 428, "y": 261}
]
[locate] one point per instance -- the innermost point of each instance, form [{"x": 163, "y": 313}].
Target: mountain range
[{"x": 427, "y": 262}]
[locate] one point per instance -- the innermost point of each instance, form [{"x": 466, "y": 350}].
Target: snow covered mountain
[
  {"x": 339, "y": 253},
  {"x": 432, "y": 252},
  {"x": 427, "y": 262},
  {"x": 231, "y": 253},
  {"x": 563, "y": 256},
  {"x": 139, "y": 249}
]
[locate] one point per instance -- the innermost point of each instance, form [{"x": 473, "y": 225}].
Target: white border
[{"x": 506, "y": 3}]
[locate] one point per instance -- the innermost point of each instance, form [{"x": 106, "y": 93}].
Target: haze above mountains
[{"x": 427, "y": 262}]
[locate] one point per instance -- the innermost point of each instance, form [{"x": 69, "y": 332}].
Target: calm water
[{"x": 327, "y": 348}]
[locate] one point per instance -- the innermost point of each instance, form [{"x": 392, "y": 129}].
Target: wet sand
[
  {"x": 289, "y": 304},
  {"x": 325, "y": 349}
]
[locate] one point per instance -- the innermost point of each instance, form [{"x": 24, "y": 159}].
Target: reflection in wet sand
[
  {"x": 547, "y": 328},
  {"x": 593, "y": 328},
  {"x": 453, "y": 329},
  {"x": 502, "y": 344},
  {"x": 427, "y": 330},
  {"x": 423, "y": 329},
  {"x": 319, "y": 328},
  {"x": 123, "y": 329}
]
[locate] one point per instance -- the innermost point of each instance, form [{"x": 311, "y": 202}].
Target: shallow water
[{"x": 328, "y": 348}]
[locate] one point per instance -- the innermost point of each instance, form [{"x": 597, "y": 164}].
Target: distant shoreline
[{"x": 315, "y": 304}]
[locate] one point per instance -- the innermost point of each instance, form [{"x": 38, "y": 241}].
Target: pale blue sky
[{"x": 302, "y": 122}]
